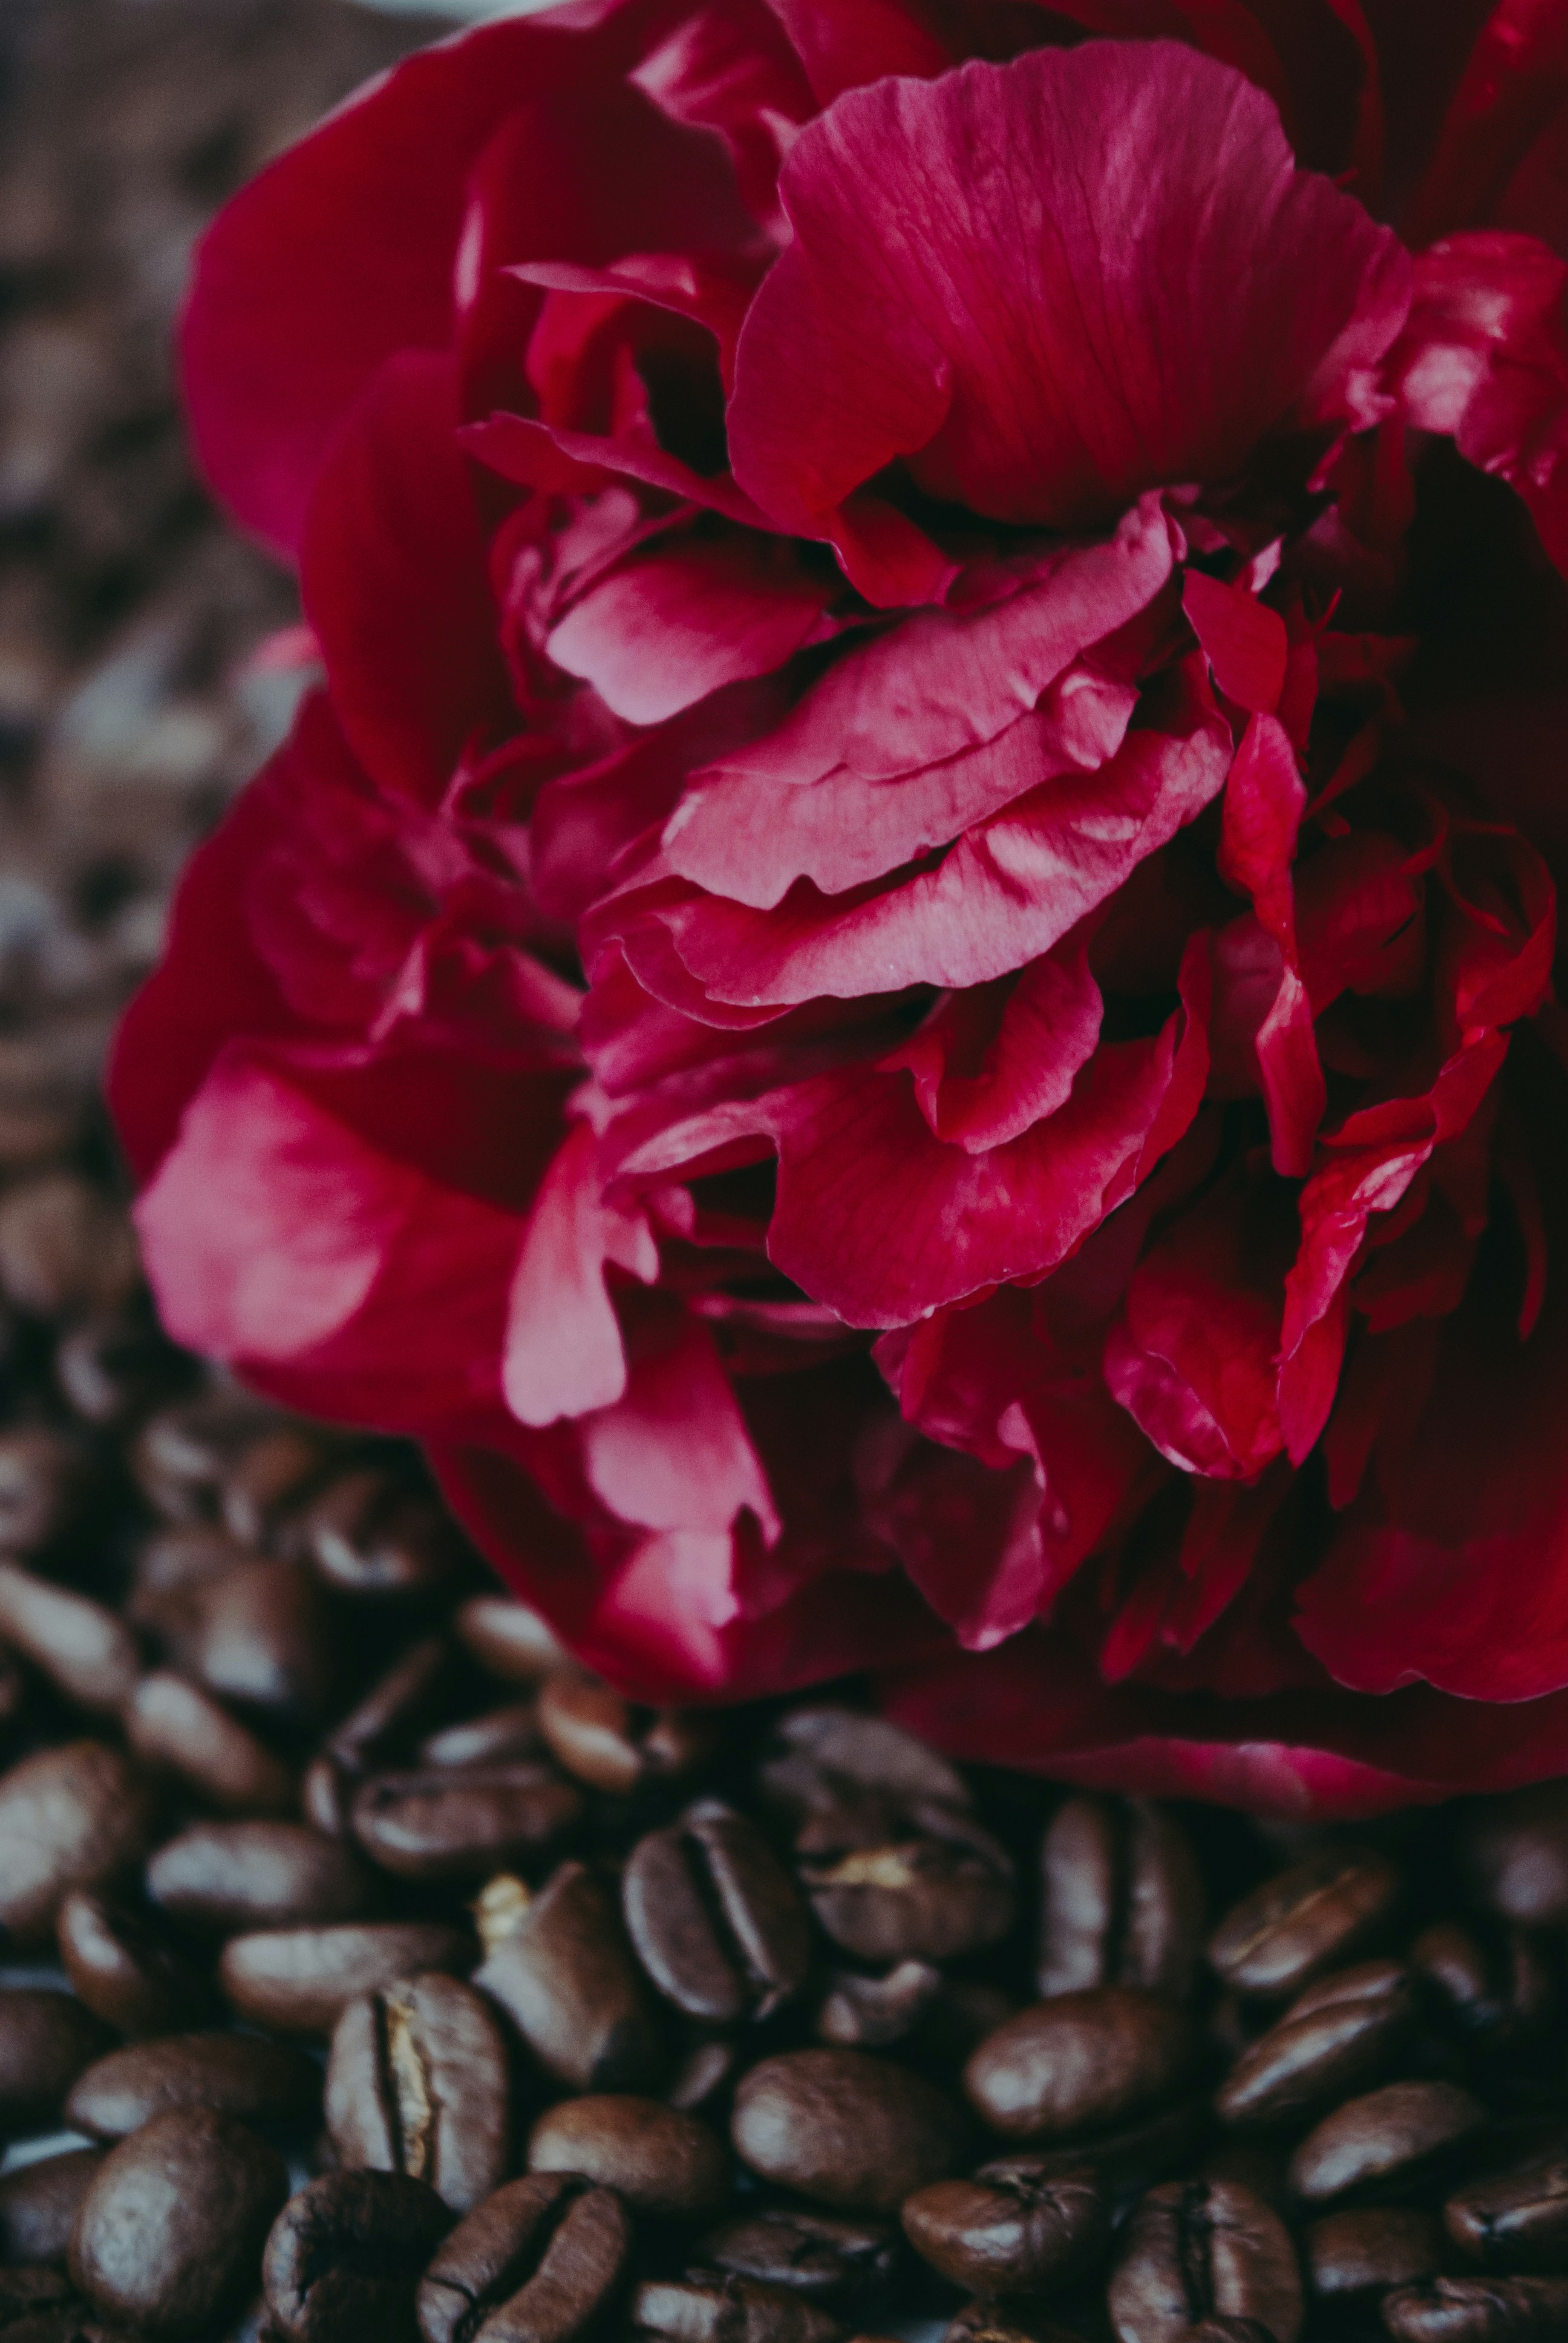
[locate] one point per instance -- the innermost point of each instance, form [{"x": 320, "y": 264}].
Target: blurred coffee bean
[
  {"x": 174, "y": 1724},
  {"x": 76, "y": 1815},
  {"x": 403, "y": 1703},
  {"x": 715, "y": 1917},
  {"x": 508, "y": 1640},
  {"x": 181, "y": 1454},
  {"x": 300, "y": 1980},
  {"x": 419, "y": 2082},
  {"x": 169, "y": 1564},
  {"x": 607, "y": 1742},
  {"x": 371, "y": 1535},
  {"x": 263, "y": 2082},
  {"x": 1121, "y": 1899},
  {"x": 839, "y": 1761},
  {"x": 46, "y": 2038},
  {"x": 820, "y": 2256},
  {"x": 266, "y": 1478},
  {"x": 221, "y": 1878},
  {"x": 1012, "y": 2234},
  {"x": 1338, "y": 2034},
  {"x": 1514, "y": 1852},
  {"x": 38, "y": 2204},
  {"x": 1288, "y": 1931},
  {"x": 325, "y": 1793},
  {"x": 1479, "y": 2310},
  {"x": 659, "y": 2160},
  {"x": 1129, "y": 2156},
  {"x": 112, "y": 1369},
  {"x": 86, "y": 1652},
  {"x": 1199, "y": 2249},
  {"x": 566, "y": 1976},
  {"x": 1516, "y": 2220},
  {"x": 1493, "y": 1988},
  {"x": 1079, "y": 2062},
  {"x": 727, "y": 2311},
  {"x": 168, "y": 2234},
  {"x": 345, "y": 2257},
  {"x": 1393, "y": 2136},
  {"x": 122, "y": 1968},
  {"x": 543, "y": 2258},
  {"x": 928, "y": 1898},
  {"x": 1371, "y": 2249},
  {"x": 257, "y": 1634},
  {"x": 1012, "y": 2322},
  {"x": 66, "y": 1247},
  {"x": 39, "y": 2305},
  {"x": 488, "y": 1740},
  {"x": 461, "y": 1824},
  {"x": 868, "y": 2012},
  {"x": 46, "y": 1481},
  {"x": 844, "y": 2128}
]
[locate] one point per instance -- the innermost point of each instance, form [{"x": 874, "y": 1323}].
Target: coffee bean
[
  {"x": 461, "y": 1824},
  {"x": 1516, "y": 2220},
  {"x": 47, "y": 1480},
  {"x": 113, "y": 1367},
  {"x": 345, "y": 2257},
  {"x": 820, "y": 2256},
  {"x": 1371, "y": 2249},
  {"x": 508, "y": 1640},
  {"x": 86, "y": 1652},
  {"x": 727, "y": 2311},
  {"x": 76, "y": 1815},
  {"x": 182, "y": 1453},
  {"x": 539, "y": 2262},
  {"x": 300, "y": 1980},
  {"x": 837, "y": 1761},
  {"x": 1300, "y": 1923},
  {"x": 172, "y": 1723},
  {"x": 488, "y": 1740},
  {"x": 1013, "y": 2233},
  {"x": 1337, "y": 2034},
  {"x": 1479, "y": 2310},
  {"x": 1387, "y": 2137},
  {"x": 993, "y": 2322},
  {"x": 1079, "y": 2062},
  {"x": 122, "y": 1968},
  {"x": 868, "y": 2012},
  {"x": 257, "y": 1634},
  {"x": 371, "y": 1535},
  {"x": 1198, "y": 2249},
  {"x": 266, "y": 1479},
  {"x": 169, "y": 1567},
  {"x": 1129, "y": 2157},
  {"x": 715, "y": 1917},
  {"x": 606, "y": 1742},
  {"x": 1514, "y": 1851},
  {"x": 38, "y": 2205},
  {"x": 1122, "y": 1902},
  {"x": 565, "y": 1975},
  {"x": 658, "y": 2159},
  {"x": 65, "y": 1246},
  {"x": 166, "y": 2236},
  {"x": 844, "y": 2128},
  {"x": 219, "y": 1879},
  {"x": 46, "y": 2038},
  {"x": 1494, "y": 1989},
  {"x": 419, "y": 2082},
  {"x": 707, "y": 2069},
  {"x": 929, "y": 1898},
  {"x": 34, "y": 2300},
  {"x": 240, "y": 2073}
]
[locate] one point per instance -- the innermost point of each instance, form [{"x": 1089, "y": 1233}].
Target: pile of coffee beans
[{"x": 370, "y": 1974}]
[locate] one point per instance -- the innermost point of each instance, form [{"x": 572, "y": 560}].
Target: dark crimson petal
[{"x": 1500, "y": 155}]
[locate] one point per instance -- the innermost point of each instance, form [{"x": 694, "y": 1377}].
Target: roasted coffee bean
[
  {"x": 606, "y": 1742},
  {"x": 121, "y": 1968},
  {"x": 172, "y": 1723},
  {"x": 403, "y": 1703},
  {"x": 113, "y": 1368},
  {"x": 167, "y": 2236},
  {"x": 34, "y": 2299},
  {"x": 66, "y": 1247},
  {"x": 1514, "y": 1851},
  {"x": 38, "y": 2205},
  {"x": 169, "y": 1565},
  {"x": 1387, "y": 2137},
  {"x": 838, "y": 1764},
  {"x": 370, "y": 1535},
  {"x": 1493, "y": 1994},
  {"x": 462, "y": 1825},
  {"x": 932, "y": 1898},
  {"x": 727, "y": 2311},
  {"x": 658, "y": 2159},
  {"x": 1200, "y": 2249},
  {"x": 1371, "y": 2249},
  {"x": 1010, "y": 2235},
  {"x": 46, "y": 2038},
  {"x": 994, "y": 2322},
  {"x": 326, "y": 1793},
  {"x": 1302, "y": 1922},
  {"x": 257, "y": 1634},
  {"x": 1130, "y": 2157},
  {"x": 508, "y": 1640},
  {"x": 47, "y": 1480},
  {"x": 1516, "y": 2220},
  {"x": 419, "y": 2082},
  {"x": 707, "y": 2069},
  {"x": 488, "y": 1740},
  {"x": 219, "y": 1879},
  {"x": 1336, "y": 2035},
  {"x": 267, "y": 1479},
  {"x": 300, "y": 1980},
  {"x": 1122, "y": 1901},
  {"x": 76, "y": 1816},
  {"x": 565, "y": 1975},
  {"x": 1479, "y": 2310},
  {"x": 844, "y": 2128},
  {"x": 715, "y": 1917},
  {"x": 89, "y": 1654},
  {"x": 182, "y": 1453},
  {"x": 1079, "y": 2062},
  {"x": 868, "y": 2012},
  {"x": 263, "y": 2082},
  {"x": 821, "y": 2256},
  {"x": 345, "y": 2257},
  {"x": 539, "y": 2262}
]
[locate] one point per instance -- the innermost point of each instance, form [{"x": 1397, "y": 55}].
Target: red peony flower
[{"x": 899, "y": 992}]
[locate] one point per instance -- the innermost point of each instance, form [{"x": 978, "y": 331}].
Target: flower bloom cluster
[{"x": 898, "y": 991}]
